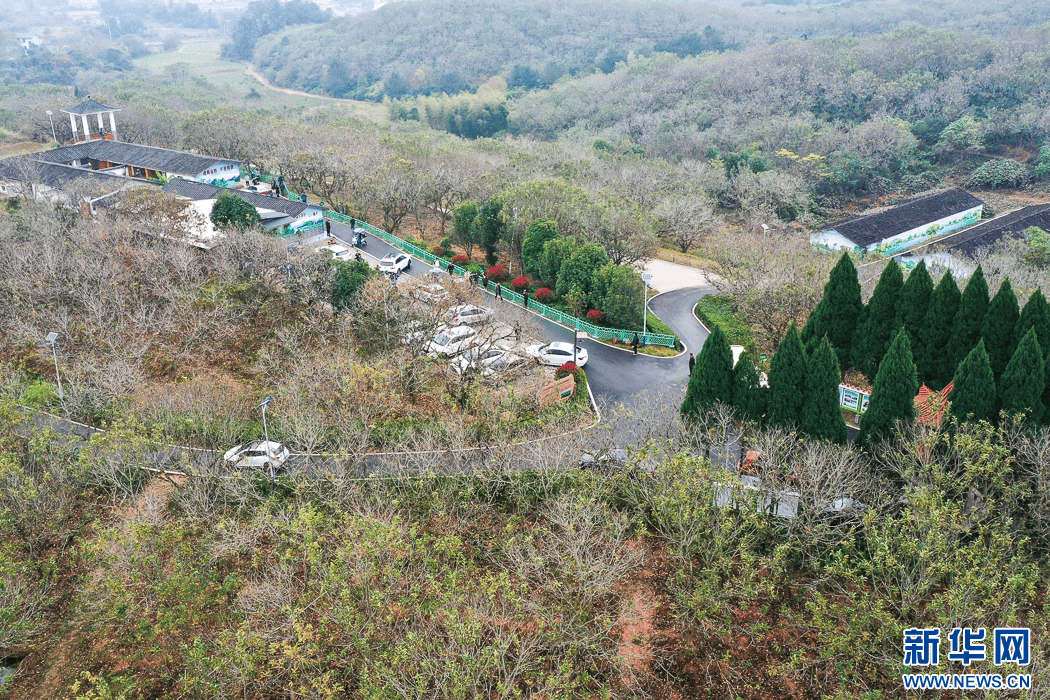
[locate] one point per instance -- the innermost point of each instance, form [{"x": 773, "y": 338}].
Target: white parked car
[
  {"x": 395, "y": 262},
  {"x": 468, "y": 314},
  {"x": 486, "y": 360},
  {"x": 431, "y": 292},
  {"x": 449, "y": 342},
  {"x": 338, "y": 252},
  {"x": 257, "y": 455},
  {"x": 556, "y": 354}
]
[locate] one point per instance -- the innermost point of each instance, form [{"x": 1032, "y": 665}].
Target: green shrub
[
  {"x": 39, "y": 394},
  {"x": 999, "y": 172},
  {"x": 714, "y": 310}
]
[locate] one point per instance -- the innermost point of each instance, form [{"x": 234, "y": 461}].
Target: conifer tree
[
  {"x": 915, "y": 302},
  {"x": 821, "y": 416},
  {"x": 1021, "y": 386},
  {"x": 998, "y": 329},
  {"x": 1035, "y": 314},
  {"x": 881, "y": 321},
  {"x": 893, "y": 394},
  {"x": 787, "y": 381},
  {"x": 933, "y": 361},
  {"x": 973, "y": 396},
  {"x": 837, "y": 313},
  {"x": 749, "y": 397},
  {"x": 712, "y": 378},
  {"x": 969, "y": 319}
]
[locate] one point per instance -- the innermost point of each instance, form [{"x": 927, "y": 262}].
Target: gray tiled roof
[
  {"x": 65, "y": 154},
  {"x": 201, "y": 190},
  {"x": 153, "y": 158},
  {"x": 985, "y": 234},
  {"x": 909, "y": 214},
  {"x": 89, "y": 106},
  {"x": 57, "y": 175},
  {"x": 163, "y": 159}
]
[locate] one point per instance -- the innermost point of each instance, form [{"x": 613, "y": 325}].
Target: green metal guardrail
[{"x": 535, "y": 306}]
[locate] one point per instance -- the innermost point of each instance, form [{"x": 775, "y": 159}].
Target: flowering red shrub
[
  {"x": 566, "y": 369},
  {"x": 437, "y": 250},
  {"x": 460, "y": 259},
  {"x": 497, "y": 273},
  {"x": 520, "y": 283},
  {"x": 544, "y": 294},
  {"x": 595, "y": 315}
]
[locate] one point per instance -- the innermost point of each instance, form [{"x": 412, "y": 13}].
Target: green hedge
[{"x": 715, "y": 310}]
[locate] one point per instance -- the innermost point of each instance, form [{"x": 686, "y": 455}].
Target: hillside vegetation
[{"x": 435, "y": 46}]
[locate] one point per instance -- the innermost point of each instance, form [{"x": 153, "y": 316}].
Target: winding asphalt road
[{"x": 615, "y": 375}]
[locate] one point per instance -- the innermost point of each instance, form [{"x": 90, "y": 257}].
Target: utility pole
[
  {"x": 266, "y": 432},
  {"x": 51, "y": 338}
]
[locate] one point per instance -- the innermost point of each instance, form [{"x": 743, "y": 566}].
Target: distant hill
[
  {"x": 413, "y": 48},
  {"x": 421, "y": 47}
]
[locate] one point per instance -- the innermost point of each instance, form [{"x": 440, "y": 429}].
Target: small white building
[
  {"x": 277, "y": 213},
  {"x": 904, "y": 225},
  {"x": 28, "y": 41}
]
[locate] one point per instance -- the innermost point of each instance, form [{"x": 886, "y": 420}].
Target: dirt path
[
  {"x": 645, "y": 626},
  {"x": 249, "y": 70}
]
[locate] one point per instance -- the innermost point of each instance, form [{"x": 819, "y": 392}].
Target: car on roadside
[
  {"x": 430, "y": 292},
  {"x": 556, "y": 354},
  {"x": 260, "y": 454},
  {"x": 338, "y": 252},
  {"x": 487, "y": 360},
  {"x": 468, "y": 314},
  {"x": 395, "y": 262},
  {"x": 451, "y": 341}
]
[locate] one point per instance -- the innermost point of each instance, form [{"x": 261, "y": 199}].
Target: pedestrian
[
  {"x": 328, "y": 227},
  {"x": 450, "y": 268},
  {"x": 634, "y": 343},
  {"x": 692, "y": 363},
  {"x": 499, "y": 291},
  {"x": 525, "y": 297}
]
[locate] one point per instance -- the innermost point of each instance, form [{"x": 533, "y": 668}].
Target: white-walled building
[
  {"x": 277, "y": 213},
  {"x": 903, "y": 226}
]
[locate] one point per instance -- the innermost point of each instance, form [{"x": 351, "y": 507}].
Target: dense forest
[
  {"x": 411, "y": 48},
  {"x": 435, "y": 46}
]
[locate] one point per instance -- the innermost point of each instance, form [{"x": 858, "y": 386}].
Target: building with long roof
[{"x": 907, "y": 224}]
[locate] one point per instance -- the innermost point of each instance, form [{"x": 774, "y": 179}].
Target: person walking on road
[
  {"x": 634, "y": 343},
  {"x": 499, "y": 291},
  {"x": 450, "y": 268},
  {"x": 525, "y": 297},
  {"x": 692, "y": 363}
]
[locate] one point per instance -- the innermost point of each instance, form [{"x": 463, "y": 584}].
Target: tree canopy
[{"x": 230, "y": 211}]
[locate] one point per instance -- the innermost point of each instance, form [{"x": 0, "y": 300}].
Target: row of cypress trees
[
  {"x": 803, "y": 391},
  {"x": 943, "y": 324},
  {"x": 910, "y": 331}
]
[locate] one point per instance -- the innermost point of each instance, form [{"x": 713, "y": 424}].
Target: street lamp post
[
  {"x": 49, "y": 114},
  {"x": 51, "y": 338},
  {"x": 575, "y": 331},
  {"x": 266, "y": 432}
]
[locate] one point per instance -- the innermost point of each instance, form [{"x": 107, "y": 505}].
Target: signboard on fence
[
  {"x": 557, "y": 391},
  {"x": 853, "y": 398}
]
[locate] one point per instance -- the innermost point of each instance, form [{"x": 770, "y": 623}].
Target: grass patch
[
  {"x": 716, "y": 310},
  {"x": 201, "y": 60}
]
